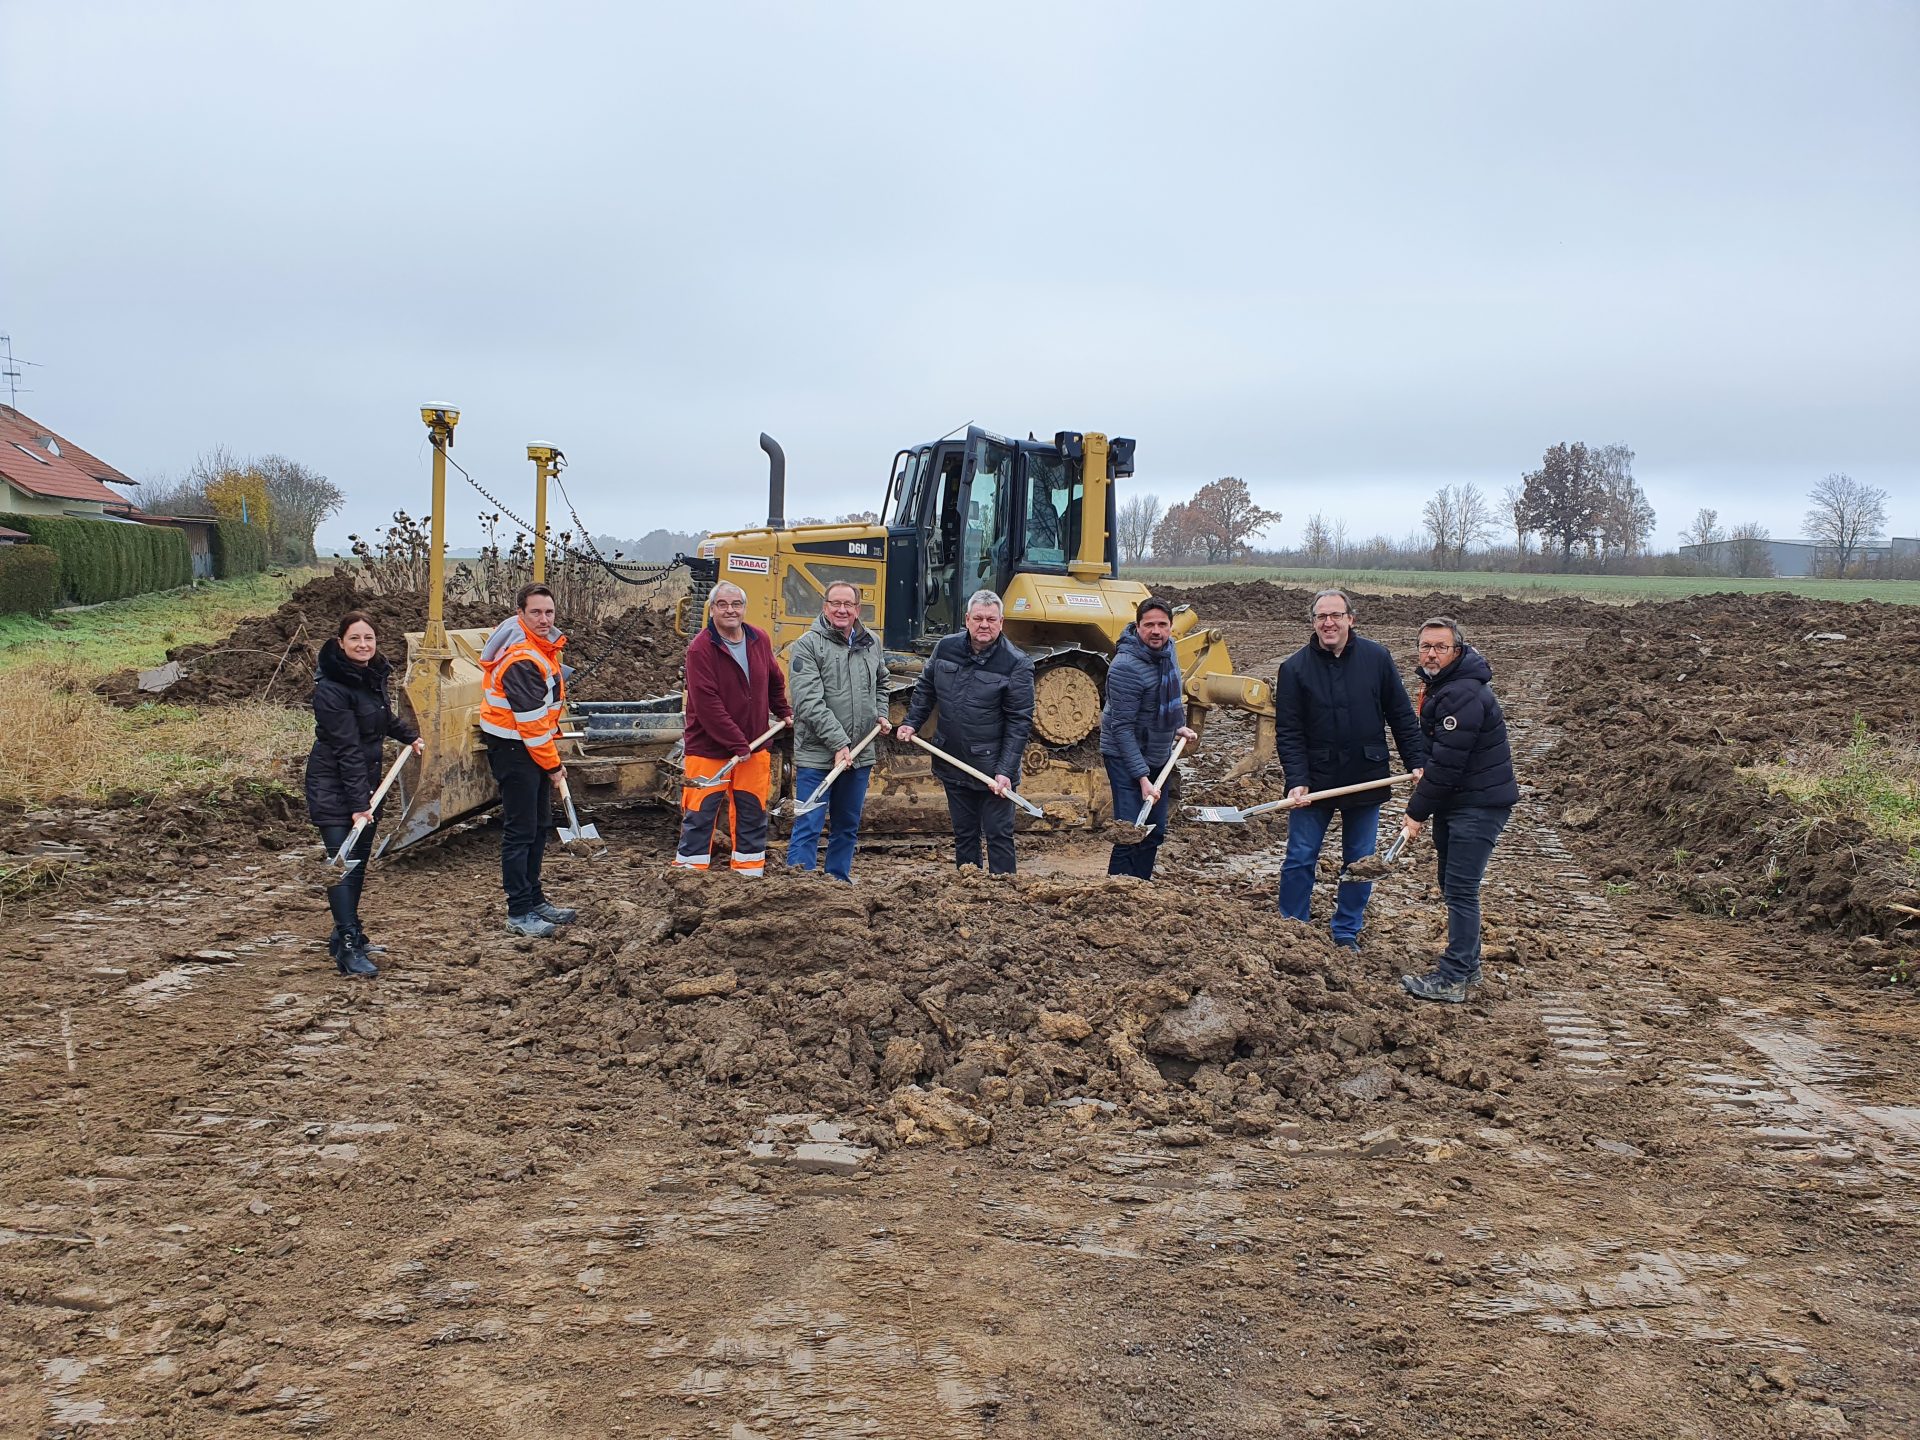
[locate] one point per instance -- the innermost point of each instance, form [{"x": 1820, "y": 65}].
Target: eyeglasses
[
  {"x": 1426, "y": 649},
  {"x": 729, "y": 604},
  {"x": 1331, "y": 615}
]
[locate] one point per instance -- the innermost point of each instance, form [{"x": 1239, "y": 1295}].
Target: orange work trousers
[{"x": 741, "y": 797}]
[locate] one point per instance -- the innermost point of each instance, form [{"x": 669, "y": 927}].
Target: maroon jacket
[{"x": 728, "y": 711}]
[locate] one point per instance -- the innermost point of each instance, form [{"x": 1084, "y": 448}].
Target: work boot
[
  {"x": 532, "y": 923},
  {"x": 555, "y": 914},
  {"x": 1347, "y": 942},
  {"x": 1435, "y": 986}
]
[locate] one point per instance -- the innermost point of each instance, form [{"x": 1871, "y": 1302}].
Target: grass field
[
  {"x": 1618, "y": 589},
  {"x": 63, "y": 740},
  {"x": 139, "y": 631}
]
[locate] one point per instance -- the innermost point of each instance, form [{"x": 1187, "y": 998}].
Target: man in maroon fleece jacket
[{"x": 733, "y": 685}]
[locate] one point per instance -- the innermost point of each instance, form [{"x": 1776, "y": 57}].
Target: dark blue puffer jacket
[
  {"x": 1137, "y": 723},
  {"x": 1469, "y": 762},
  {"x": 1333, "y": 712}
]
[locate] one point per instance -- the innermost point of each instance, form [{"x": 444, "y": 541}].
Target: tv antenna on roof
[{"x": 11, "y": 374}]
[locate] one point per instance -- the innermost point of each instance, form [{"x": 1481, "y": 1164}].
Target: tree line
[{"x": 1581, "y": 508}]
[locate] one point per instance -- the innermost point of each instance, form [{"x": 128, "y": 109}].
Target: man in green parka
[{"x": 838, "y": 680}]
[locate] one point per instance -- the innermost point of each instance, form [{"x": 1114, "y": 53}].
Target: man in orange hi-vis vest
[
  {"x": 523, "y": 688},
  {"x": 733, "y": 685}
]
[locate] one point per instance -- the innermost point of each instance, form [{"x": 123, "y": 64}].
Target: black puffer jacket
[
  {"x": 351, "y": 721},
  {"x": 1469, "y": 762},
  {"x": 1132, "y": 728},
  {"x": 986, "y": 706},
  {"x": 1332, "y": 714}
]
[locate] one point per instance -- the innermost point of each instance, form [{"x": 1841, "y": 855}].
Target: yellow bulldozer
[{"x": 1030, "y": 519}]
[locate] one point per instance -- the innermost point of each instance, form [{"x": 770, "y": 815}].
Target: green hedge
[
  {"x": 107, "y": 560},
  {"x": 29, "y": 580},
  {"x": 238, "y": 549}
]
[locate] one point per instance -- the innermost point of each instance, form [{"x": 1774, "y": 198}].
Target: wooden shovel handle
[
  {"x": 841, "y": 767},
  {"x": 981, "y": 776},
  {"x": 1318, "y": 795}
]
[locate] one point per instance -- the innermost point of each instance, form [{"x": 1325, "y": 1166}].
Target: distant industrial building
[{"x": 1799, "y": 557}]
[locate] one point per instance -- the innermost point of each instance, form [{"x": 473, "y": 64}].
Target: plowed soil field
[{"x": 940, "y": 1155}]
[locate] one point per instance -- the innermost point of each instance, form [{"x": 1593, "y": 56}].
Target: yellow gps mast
[
  {"x": 547, "y": 463},
  {"x": 440, "y": 420}
]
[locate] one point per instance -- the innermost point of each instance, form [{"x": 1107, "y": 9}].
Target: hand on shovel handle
[
  {"x": 727, "y": 769},
  {"x": 814, "y": 800},
  {"x": 359, "y": 824},
  {"x": 1160, "y": 781}
]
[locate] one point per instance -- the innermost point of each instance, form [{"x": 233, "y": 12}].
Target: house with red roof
[{"x": 43, "y": 473}]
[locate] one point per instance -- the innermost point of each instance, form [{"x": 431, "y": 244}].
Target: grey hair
[
  {"x": 1447, "y": 622},
  {"x": 1319, "y": 595},
  {"x": 827, "y": 594},
  {"x": 725, "y": 585},
  {"x": 984, "y": 597}
]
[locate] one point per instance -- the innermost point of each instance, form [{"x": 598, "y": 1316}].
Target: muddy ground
[{"x": 948, "y": 1156}]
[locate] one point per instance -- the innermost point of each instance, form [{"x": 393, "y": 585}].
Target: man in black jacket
[
  {"x": 1468, "y": 790},
  {"x": 983, "y": 684},
  {"x": 1335, "y": 700}
]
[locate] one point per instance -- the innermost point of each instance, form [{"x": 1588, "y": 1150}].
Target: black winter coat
[
  {"x": 1332, "y": 714},
  {"x": 351, "y": 722},
  {"x": 1132, "y": 729},
  {"x": 1469, "y": 762},
  {"x": 986, "y": 707}
]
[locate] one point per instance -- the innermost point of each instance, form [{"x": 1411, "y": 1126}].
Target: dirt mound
[
  {"x": 1664, "y": 708},
  {"x": 959, "y": 1004},
  {"x": 1263, "y": 600},
  {"x": 271, "y": 657}
]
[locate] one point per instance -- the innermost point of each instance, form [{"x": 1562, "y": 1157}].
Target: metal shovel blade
[{"x": 1233, "y": 814}]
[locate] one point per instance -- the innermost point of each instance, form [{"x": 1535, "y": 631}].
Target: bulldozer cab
[{"x": 970, "y": 513}]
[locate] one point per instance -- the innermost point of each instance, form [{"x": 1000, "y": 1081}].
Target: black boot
[
  {"x": 337, "y": 947},
  {"x": 354, "y": 961},
  {"x": 366, "y": 947}
]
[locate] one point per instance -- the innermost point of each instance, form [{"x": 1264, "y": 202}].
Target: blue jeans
[
  {"x": 1306, "y": 832},
  {"x": 1136, "y": 859},
  {"x": 845, "y": 801},
  {"x": 1463, "y": 844}
]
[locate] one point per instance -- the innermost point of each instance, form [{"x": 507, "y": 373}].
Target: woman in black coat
[{"x": 351, "y": 722}]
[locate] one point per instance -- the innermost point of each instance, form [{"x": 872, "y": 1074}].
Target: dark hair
[
  {"x": 1152, "y": 602},
  {"x": 527, "y": 592},
  {"x": 351, "y": 619}
]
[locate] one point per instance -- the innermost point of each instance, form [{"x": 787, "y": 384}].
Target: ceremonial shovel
[
  {"x": 819, "y": 796},
  {"x": 720, "y": 775},
  {"x": 1233, "y": 815},
  {"x": 573, "y": 832},
  {"x": 340, "y": 863},
  {"x": 985, "y": 779}
]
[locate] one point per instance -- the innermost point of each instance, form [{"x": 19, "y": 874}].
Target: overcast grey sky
[{"x": 1347, "y": 251}]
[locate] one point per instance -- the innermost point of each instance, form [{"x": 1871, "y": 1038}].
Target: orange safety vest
[{"x": 538, "y": 729}]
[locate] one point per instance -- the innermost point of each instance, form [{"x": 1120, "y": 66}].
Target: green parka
[{"x": 839, "y": 689}]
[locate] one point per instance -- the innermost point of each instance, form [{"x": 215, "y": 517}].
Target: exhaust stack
[{"x": 776, "y": 482}]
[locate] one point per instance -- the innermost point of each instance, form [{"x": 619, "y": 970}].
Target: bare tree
[
  {"x": 1437, "y": 516},
  {"x": 1844, "y": 515},
  {"x": 164, "y": 495},
  {"x": 1137, "y": 518},
  {"x": 1705, "y": 529},
  {"x": 1514, "y": 502},
  {"x": 1748, "y": 552},
  {"x": 1176, "y": 538},
  {"x": 1626, "y": 518},
  {"x": 302, "y": 499},
  {"x": 1340, "y": 542},
  {"x": 1318, "y": 541},
  {"x": 1456, "y": 518}
]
